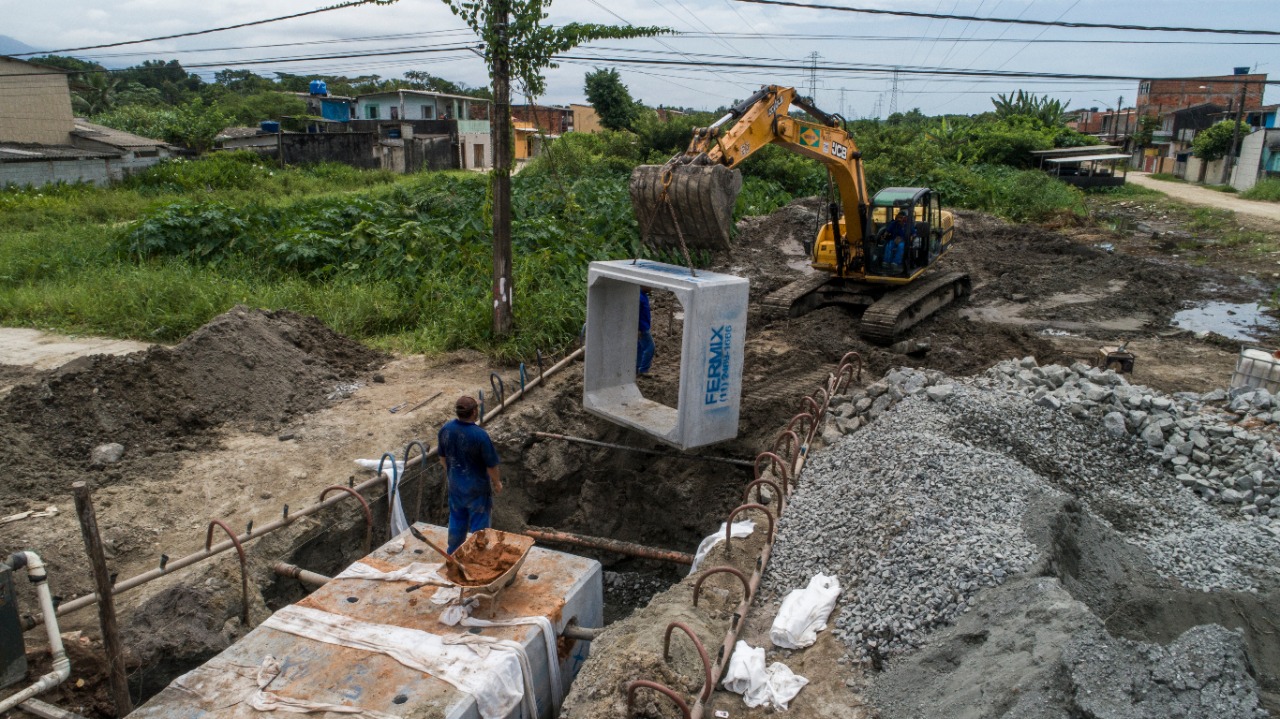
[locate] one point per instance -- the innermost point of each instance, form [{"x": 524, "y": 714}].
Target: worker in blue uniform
[
  {"x": 471, "y": 466},
  {"x": 900, "y": 232},
  {"x": 644, "y": 337}
]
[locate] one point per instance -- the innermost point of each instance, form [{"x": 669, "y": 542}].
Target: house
[
  {"x": 585, "y": 119},
  {"x": 1107, "y": 125},
  {"x": 1261, "y": 117},
  {"x": 550, "y": 120},
  {"x": 1259, "y": 158},
  {"x": 41, "y": 141},
  {"x": 469, "y": 115},
  {"x": 531, "y": 141},
  {"x": 1171, "y": 140},
  {"x": 335, "y": 108},
  {"x": 1156, "y": 97}
]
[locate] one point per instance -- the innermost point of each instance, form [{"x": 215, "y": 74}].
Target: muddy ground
[{"x": 263, "y": 409}]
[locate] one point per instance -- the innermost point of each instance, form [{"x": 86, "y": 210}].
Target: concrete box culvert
[{"x": 715, "y": 308}]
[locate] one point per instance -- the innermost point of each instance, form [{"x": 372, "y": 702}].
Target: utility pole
[
  {"x": 1235, "y": 136},
  {"x": 842, "y": 91},
  {"x": 500, "y": 138}
]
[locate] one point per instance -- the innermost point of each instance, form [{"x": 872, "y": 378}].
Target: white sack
[
  {"x": 399, "y": 525},
  {"x": 740, "y": 530},
  {"x": 747, "y": 676},
  {"x": 804, "y": 613}
]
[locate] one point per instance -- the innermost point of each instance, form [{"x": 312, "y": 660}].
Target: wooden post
[
  {"x": 500, "y": 139},
  {"x": 106, "y": 602}
]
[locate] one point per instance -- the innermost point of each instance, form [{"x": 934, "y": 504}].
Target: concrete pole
[
  {"x": 1230, "y": 159},
  {"x": 500, "y": 138}
]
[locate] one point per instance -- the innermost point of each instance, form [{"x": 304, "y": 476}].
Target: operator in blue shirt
[
  {"x": 899, "y": 234},
  {"x": 644, "y": 338},
  {"x": 471, "y": 465}
]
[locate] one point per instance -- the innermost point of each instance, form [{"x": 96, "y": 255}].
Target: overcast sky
[{"x": 725, "y": 28}]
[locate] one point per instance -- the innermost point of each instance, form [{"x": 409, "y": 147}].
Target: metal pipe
[
  {"x": 582, "y": 634},
  {"x": 609, "y": 545},
  {"x": 170, "y": 566},
  {"x": 47, "y": 711},
  {"x": 641, "y": 450},
  {"x": 293, "y": 571},
  {"x": 61, "y": 665},
  {"x": 535, "y": 382}
]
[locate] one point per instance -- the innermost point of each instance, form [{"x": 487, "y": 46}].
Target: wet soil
[{"x": 238, "y": 420}]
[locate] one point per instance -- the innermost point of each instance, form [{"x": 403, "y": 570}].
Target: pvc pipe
[
  {"x": 47, "y": 711},
  {"x": 176, "y": 564},
  {"x": 61, "y": 665}
]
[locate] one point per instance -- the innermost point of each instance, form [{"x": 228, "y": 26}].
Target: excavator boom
[{"x": 691, "y": 198}]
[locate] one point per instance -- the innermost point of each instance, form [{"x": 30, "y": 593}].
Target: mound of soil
[{"x": 249, "y": 368}]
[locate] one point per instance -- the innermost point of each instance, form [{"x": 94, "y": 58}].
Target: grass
[
  {"x": 1166, "y": 176},
  {"x": 1267, "y": 190},
  {"x": 1124, "y": 192},
  {"x": 1228, "y": 189}
]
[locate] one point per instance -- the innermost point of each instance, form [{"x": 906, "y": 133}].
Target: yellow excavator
[{"x": 876, "y": 254}]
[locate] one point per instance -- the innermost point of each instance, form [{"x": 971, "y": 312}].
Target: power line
[
  {"x": 1013, "y": 21},
  {"x": 317, "y": 11},
  {"x": 773, "y": 65}
]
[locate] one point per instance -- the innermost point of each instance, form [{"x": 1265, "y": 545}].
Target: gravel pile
[
  {"x": 1220, "y": 444},
  {"x": 920, "y": 500}
]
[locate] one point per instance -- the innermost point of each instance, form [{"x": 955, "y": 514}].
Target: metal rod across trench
[
  {"x": 642, "y": 450},
  {"x": 609, "y": 545}
]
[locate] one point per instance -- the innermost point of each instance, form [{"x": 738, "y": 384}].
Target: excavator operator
[{"x": 900, "y": 233}]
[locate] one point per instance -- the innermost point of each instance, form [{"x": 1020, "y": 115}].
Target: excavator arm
[{"x": 690, "y": 199}]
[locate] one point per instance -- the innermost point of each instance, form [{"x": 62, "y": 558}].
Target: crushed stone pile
[
  {"x": 932, "y": 490},
  {"x": 1221, "y": 444}
]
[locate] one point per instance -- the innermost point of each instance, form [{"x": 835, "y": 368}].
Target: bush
[{"x": 1267, "y": 190}]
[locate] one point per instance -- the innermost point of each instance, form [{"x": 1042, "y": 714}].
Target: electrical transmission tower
[
  {"x": 813, "y": 75},
  {"x": 894, "y": 92}
]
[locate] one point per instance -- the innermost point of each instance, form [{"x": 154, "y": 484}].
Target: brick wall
[
  {"x": 35, "y": 105},
  {"x": 1160, "y": 96}
]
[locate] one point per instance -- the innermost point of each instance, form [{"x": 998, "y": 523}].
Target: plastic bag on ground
[
  {"x": 804, "y": 613},
  {"x": 759, "y": 686},
  {"x": 740, "y": 530}
]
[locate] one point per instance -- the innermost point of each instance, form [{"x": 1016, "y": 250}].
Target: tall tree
[
  {"x": 517, "y": 45},
  {"x": 611, "y": 99}
]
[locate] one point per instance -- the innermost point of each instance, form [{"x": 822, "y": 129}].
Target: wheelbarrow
[{"x": 494, "y": 558}]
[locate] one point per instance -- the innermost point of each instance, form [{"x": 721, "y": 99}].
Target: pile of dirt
[{"x": 251, "y": 369}]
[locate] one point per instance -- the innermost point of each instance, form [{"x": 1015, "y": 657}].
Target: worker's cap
[
  {"x": 465, "y": 404},
  {"x": 902, "y": 213}
]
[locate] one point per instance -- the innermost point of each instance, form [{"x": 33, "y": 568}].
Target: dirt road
[{"x": 1196, "y": 195}]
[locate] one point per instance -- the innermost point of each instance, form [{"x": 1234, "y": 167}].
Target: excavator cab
[{"x": 912, "y": 219}]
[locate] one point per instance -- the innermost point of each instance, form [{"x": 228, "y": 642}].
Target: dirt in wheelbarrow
[{"x": 483, "y": 562}]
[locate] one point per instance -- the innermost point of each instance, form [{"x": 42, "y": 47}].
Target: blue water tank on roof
[
  {"x": 319, "y": 87},
  {"x": 269, "y": 126}
]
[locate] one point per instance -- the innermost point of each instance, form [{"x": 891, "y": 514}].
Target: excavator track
[{"x": 901, "y": 309}]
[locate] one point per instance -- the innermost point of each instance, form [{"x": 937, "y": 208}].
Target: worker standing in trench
[
  {"x": 471, "y": 467},
  {"x": 644, "y": 337}
]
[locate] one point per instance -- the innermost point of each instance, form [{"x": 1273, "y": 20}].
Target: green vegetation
[
  {"x": 1267, "y": 190},
  {"x": 1166, "y": 177},
  {"x": 611, "y": 99},
  {"x": 404, "y": 262},
  {"x": 1215, "y": 142}
]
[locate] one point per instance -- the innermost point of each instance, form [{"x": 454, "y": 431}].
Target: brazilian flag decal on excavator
[{"x": 810, "y": 137}]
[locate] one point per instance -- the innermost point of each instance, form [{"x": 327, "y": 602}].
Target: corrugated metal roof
[
  {"x": 1088, "y": 158},
  {"x": 110, "y": 136},
  {"x": 25, "y": 152}
]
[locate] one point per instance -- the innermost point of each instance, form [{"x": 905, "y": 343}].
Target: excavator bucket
[{"x": 701, "y": 196}]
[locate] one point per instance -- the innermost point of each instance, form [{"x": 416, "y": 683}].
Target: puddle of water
[
  {"x": 1051, "y": 332},
  {"x": 1243, "y": 322}
]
